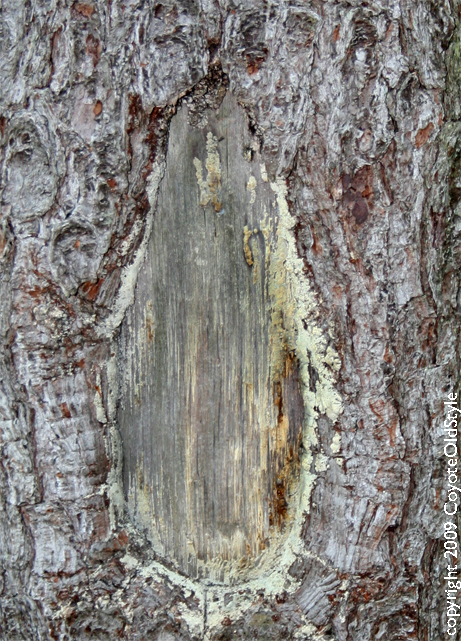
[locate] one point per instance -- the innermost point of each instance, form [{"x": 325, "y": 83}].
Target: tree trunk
[{"x": 230, "y": 242}]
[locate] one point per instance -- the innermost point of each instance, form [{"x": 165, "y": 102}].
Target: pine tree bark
[{"x": 353, "y": 108}]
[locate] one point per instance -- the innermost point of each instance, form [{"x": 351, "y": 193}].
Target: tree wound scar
[{"x": 214, "y": 359}]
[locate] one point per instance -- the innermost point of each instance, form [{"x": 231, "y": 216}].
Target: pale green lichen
[
  {"x": 289, "y": 291},
  {"x": 295, "y": 329},
  {"x": 100, "y": 411},
  {"x": 246, "y": 246},
  {"x": 204, "y": 196},
  {"x": 251, "y": 187},
  {"x": 303, "y": 333},
  {"x": 321, "y": 463},
  {"x": 336, "y": 443},
  {"x": 210, "y": 188},
  {"x": 125, "y": 295}
]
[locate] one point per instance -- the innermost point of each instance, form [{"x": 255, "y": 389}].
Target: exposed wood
[
  {"x": 211, "y": 412},
  {"x": 354, "y": 108}
]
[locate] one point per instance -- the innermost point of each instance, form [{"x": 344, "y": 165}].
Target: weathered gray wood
[
  {"x": 211, "y": 411},
  {"x": 355, "y": 107}
]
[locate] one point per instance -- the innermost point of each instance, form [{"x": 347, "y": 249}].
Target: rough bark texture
[{"x": 354, "y": 108}]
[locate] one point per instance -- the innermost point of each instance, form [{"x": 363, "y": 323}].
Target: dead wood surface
[{"x": 354, "y": 110}]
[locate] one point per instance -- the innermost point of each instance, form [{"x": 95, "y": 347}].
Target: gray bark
[{"x": 323, "y": 261}]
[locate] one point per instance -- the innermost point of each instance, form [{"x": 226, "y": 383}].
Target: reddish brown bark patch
[
  {"x": 358, "y": 194},
  {"x": 254, "y": 64},
  {"x": 84, "y": 9},
  {"x": 423, "y": 135},
  {"x": 93, "y": 49},
  {"x": 91, "y": 290}
]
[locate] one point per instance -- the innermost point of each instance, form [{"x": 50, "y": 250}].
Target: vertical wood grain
[{"x": 211, "y": 413}]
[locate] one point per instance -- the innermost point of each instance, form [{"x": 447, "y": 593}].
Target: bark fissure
[{"x": 358, "y": 107}]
